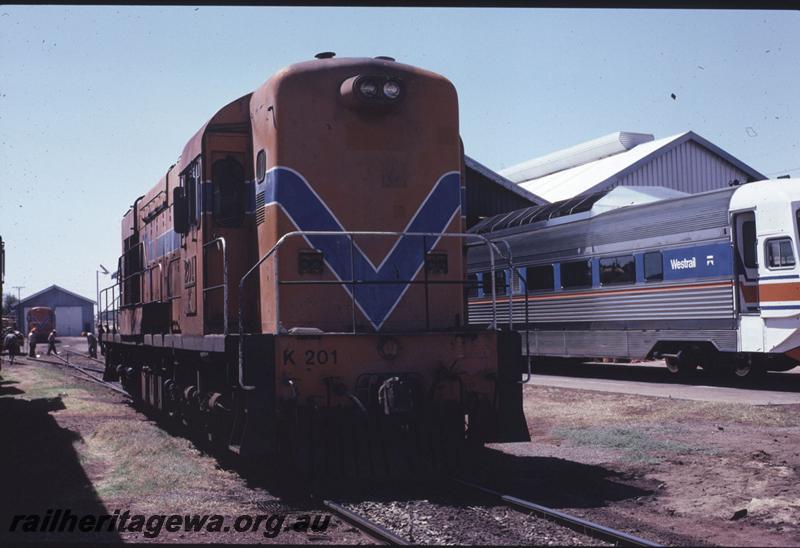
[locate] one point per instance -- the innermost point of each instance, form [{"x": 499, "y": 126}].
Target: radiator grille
[{"x": 261, "y": 213}]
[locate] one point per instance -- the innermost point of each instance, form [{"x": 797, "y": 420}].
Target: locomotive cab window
[
  {"x": 653, "y": 267},
  {"x": 229, "y": 192},
  {"x": 617, "y": 270},
  {"x": 576, "y": 274},
  {"x": 779, "y": 253},
  {"x": 539, "y": 278}
]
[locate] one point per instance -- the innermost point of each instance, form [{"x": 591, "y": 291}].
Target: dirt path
[{"x": 675, "y": 471}]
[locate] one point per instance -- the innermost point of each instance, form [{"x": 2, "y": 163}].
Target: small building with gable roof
[{"x": 74, "y": 313}]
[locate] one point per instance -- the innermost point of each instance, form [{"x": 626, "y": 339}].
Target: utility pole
[{"x": 18, "y": 288}]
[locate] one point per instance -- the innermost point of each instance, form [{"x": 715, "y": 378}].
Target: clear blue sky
[{"x": 97, "y": 102}]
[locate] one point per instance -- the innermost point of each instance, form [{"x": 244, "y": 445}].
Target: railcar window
[
  {"x": 229, "y": 192},
  {"x": 617, "y": 270},
  {"x": 472, "y": 285},
  {"x": 576, "y": 274},
  {"x": 780, "y": 253},
  {"x": 540, "y": 278},
  {"x": 749, "y": 243},
  {"x": 653, "y": 267},
  {"x": 499, "y": 283}
]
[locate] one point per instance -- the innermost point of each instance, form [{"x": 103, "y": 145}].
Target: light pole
[{"x": 97, "y": 281}]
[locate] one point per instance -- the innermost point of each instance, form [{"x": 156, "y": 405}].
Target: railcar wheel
[
  {"x": 683, "y": 366},
  {"x": 748, "y": 369}
]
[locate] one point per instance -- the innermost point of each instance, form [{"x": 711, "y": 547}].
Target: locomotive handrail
[
  {"x": 224, "y": 285},
  {"x": 492, "y": 248},
  {"x": 147, "y": 218},
  {"x": 172, "y": 261},
  {"x": 139, "y": 272},
  {"x": 114, "y": 298},
  {"x": 149, "y": 271},
  {"x": 511, "y": 306}
]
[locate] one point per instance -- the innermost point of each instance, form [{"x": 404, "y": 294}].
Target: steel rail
[
  {"x": 360, "y": 521},
  {"x": 74, "y": 353},
  {"x": 594, "y": 530},
  {"x": 88, "y": 375}
]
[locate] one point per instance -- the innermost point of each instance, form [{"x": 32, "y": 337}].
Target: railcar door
[{"x": 746, "y": 262}]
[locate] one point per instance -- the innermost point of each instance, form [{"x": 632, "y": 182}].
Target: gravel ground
[{"x": 463, "y": 519}]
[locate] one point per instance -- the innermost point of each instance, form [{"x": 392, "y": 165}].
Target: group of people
[{"x": 13, "y": 342}]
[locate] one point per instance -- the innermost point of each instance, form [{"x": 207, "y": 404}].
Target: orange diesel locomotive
[{"x": 295, "y": 280}]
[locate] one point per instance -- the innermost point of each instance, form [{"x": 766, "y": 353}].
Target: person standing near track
[
  {"x": 92, "y": 341},
  {"x": 11, "y": 343},
  {"x": 32, "y": 342},
  {"x": 52, "y": 340}
]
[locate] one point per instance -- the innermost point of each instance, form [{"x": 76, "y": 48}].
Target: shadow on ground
[
  {"x": 771, "y": 381},
  {"x": 42, "y": 473}
]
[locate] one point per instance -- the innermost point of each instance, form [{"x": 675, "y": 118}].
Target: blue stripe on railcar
[{"x": 702, "y": 261}]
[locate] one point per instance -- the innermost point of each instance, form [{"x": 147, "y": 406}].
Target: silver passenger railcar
[{"x": 708, "y": 280}]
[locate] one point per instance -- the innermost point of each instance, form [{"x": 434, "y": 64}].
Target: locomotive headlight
[
  {"x": 391, "y": 89},
  {"x": 368, "y": 88},
  {"x": 376, "y": 92}
]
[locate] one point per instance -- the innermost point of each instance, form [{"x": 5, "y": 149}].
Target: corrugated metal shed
[
  {"x": 684, "y": 162},
  {"x": 489, "y": 193},
  {"x": 76, "y": 311}
]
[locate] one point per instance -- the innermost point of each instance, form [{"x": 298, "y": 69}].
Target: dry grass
[
  {"x": 146, "y": 459},
  {"x": 583, "y": 408},
  {"x": 650, "y": 445}
]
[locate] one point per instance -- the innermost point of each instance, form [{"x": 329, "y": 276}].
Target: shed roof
[
  {"x": 57, "y": 288},
  {"x": 593, "y": 176},
  {"x": 498, "y": 179}
]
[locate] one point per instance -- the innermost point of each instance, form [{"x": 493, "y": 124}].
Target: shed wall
[
  {"x": 55, "y": 299},
  {"x": 688, "y": 168}
]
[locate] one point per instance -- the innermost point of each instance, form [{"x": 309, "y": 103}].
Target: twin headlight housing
[{"x": 372, "y": 90}]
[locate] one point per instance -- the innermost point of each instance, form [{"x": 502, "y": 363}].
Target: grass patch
[
  {"x": 638, "y": 445},
  {"x": 149, "y": 465},
  {"x": 586, "y": 408}
]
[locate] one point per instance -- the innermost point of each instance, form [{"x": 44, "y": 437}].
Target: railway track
[
  {"x": 575, "y": 523},
  {"x": 85, "y": 372},
  {"x": 378, "y": 531},
  {"x": 365, "y": 524}
]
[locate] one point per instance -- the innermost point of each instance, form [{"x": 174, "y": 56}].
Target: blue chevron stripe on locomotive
[{"x": 308, "y": 212}]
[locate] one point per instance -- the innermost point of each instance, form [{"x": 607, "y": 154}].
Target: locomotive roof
[{"x": 236, "y": 114}]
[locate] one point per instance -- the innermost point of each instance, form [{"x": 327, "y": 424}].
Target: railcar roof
[{"x": 578, "y": 208}]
